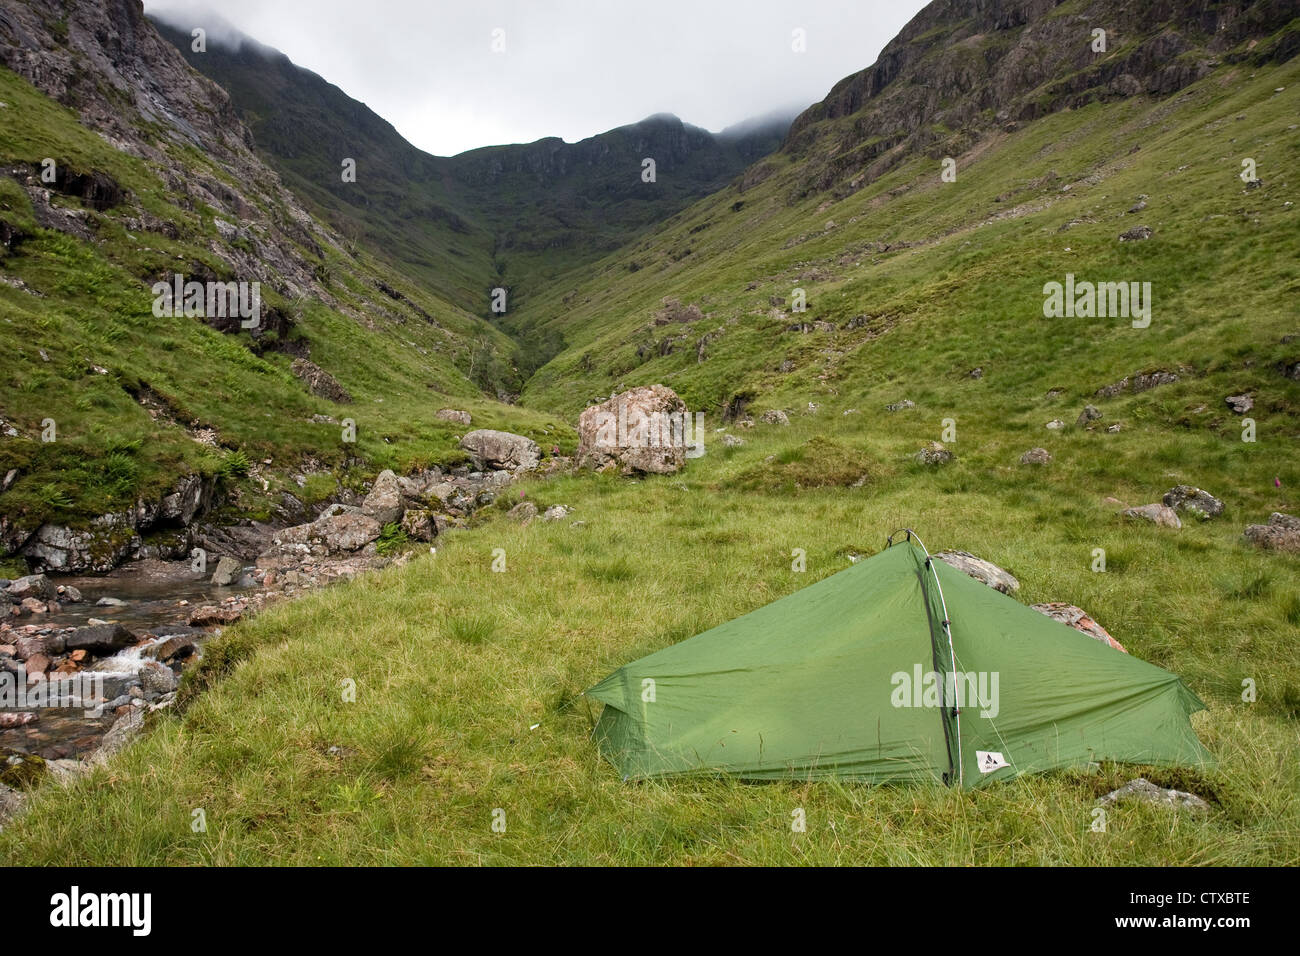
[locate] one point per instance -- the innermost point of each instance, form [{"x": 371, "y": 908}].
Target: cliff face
[
  {"x": 98, "y": 58},
  {"x": 963, "y": 68},
  {"x": 105, "y": 61},
  {"x": 155, "y": 177}
]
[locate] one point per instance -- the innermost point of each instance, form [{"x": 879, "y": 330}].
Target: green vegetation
[
  {"x": 469, "y": 681},
  {"x": 454, "y": 665},
  {"x": 923, "y": 281},
  {"x": 130, "y": 394}
]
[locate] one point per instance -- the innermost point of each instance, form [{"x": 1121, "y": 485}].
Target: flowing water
[{"x": 151, "y": 593}]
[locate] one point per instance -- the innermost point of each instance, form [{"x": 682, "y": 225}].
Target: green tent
[{"x": 898, "y": 668}]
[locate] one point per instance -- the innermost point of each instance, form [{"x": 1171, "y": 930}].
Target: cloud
[{"x": 569, "y": 68}]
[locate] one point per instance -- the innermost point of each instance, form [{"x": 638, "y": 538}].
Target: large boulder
[
  {"x": 346, "y": 532},
  {"x": 1193, "y": 501},
  {"x": 109, "y": 541},
  {"x": 981, "y": 570},
  {"x": 337, "y": 532},
  {"x": 641, "y": 430},
  {"x": 501, "y": 451},
  {"x": 384, "y": 503},
  {"x": 1078, "y": 619},
  {"x": 1282, "y": 533}
]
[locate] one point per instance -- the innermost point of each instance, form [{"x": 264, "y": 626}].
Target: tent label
[{"x": 990, "y": 760}]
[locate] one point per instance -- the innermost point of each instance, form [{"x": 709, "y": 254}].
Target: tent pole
[{"x": 952, "y": 654}]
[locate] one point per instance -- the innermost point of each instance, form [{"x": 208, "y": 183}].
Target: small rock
[
  {"x": 31, "y": 586},
  {"x": 170, "y": 649},
  {"x": 1144, "y": 791},
  {"x": 556, "y": 513},
  {"x": 157, "y": 679},
  {"x": 1056, "y": 424},
  {"x": 1240, "y": 403},
  {"x": 454, "y": 415},
  {"x": 1136, "y": 234},
  {"x": 211, "y": 614},
  {"x": 524, "y": 511},
  {"x": 1282, "y": 533},
  {"x": 100, "y": 640},
  {"x": 731, "y": 441},
  {"x": 1188, "y": 500},
  {"x": 1036, "y": 456},
  {"x": 420, "y": 524},
  {"x": 901, "y": 406},
  {"x": 228, "y": 569},
  {"x": 1077, "y": 618},
  {"x": 125, "y": 729},
  {"x": 981, "y": 570},
  {"x": 934, "y": 454},
  {"x": 110, "y": 602},
  {"x": 1090, "y": 413},
  {"x": 774, "y": 416},
  {"x": 384, "y": 502},
  {"x": 1158, "y": 514}
]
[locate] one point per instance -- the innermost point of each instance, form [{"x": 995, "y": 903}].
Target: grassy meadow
[{"x": 469, "y": 684}]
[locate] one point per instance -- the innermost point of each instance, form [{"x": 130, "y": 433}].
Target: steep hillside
[
  {"x": 108, "y": 402},
  {"x": 912, "y": 281},
  {"x": 513, "y": 216},
  {"x": 401, "y": 203}
]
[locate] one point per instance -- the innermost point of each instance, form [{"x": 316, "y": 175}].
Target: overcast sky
[{"x": 570, "y": 68}]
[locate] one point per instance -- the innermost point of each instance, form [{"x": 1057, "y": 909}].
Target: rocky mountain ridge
[{"x": 962, "y": 70}]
